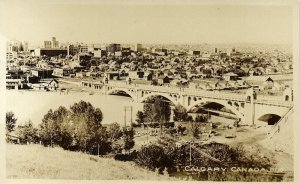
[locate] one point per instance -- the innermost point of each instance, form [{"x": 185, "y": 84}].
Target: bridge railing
[
  {"x": 227, "y": 95},
  {"x": 185, "y": 91}
]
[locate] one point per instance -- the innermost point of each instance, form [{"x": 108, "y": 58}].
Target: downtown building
[{"x": 51, "y": 49}]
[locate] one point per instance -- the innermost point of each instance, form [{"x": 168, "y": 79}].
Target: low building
[
  {"x": 46, "y": 85},
  {"x": 42, "y": 73},
  {"x": 80, "y": 74},
  {"x": 163, "y": 80},
  {"x": 14, "y": 84},
  {"x": 112, "y": 75},
  {"x": 53, "y": 85},
  {"x": 84, "y": 57},
  {"x": 123, "y": 53},
  {"x": 148, "y": 76},
  {"x": 31, "y": 79},
  {"x": 230, "y": 76},
  {"x": 194, "y": 52},
  {"x": 50, "y": 52},
  {"x": 11, "y": 55},
  {"x": 61, "y": 72},
  {"x": 136, "y": 74},
  {"x": 99, "y": 53}
]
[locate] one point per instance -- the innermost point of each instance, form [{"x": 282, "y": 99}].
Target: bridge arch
[
  {"x": 145, "y": 97},
  {"x": 270, "y": 118},
  {"x": 223, "y": 103},
  {"x": 126, "y": 91}
]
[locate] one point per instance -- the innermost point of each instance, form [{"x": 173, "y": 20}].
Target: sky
[{"x": 106, "y": 23}]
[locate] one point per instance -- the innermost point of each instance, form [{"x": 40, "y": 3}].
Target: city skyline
[{"x": 170, "y": 24}]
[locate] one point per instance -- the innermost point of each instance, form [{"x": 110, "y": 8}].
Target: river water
[{"x": 33, "y": 105}]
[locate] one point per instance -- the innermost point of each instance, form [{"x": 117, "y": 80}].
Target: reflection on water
[{"x": 34, "y": 105}]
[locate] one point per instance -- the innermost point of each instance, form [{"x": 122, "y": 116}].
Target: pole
[
  {"x": 190, "y": 152},
  {"x": 98, "y": 151},
  {"x": 147, "y": 135},
  {"x": 125, "y": 117},
  {"x": 131, "y": 115}
]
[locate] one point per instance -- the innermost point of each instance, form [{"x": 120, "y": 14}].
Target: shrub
[
  {"x": 11, "y": 121},
  {"x": 126, "y": 157},
  {"x": 153, "y": 157},
  {"x": 27, "y": 133},
  {"x": 195, "y": 129},
  {"x": 128, "y": 137}
]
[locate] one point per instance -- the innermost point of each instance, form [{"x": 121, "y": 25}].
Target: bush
[
  {"x": 27, "y": 133},
  {"x": 230, "y": 156},
  {"x": 195, "y": 129},
  {"x": 201, "y": 118},
  {"x": 154, "y": 125},
  {"x": 181, "y": 129},
  {"x": 153, "y": 157},
  {"x": 169, "y": 125},
  {"x": 126, "y": 157}
]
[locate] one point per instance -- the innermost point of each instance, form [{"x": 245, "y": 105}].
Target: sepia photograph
[{"x": 149, "y": 90}]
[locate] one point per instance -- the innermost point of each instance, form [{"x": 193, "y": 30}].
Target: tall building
[
  {"x": 83, "y": 49},
  {"x": 216, "y": 50},
  {"x": 47, "y": 45},
  {"x": 138, "y": 47},
  {"x": 114, "y": 47},
  {"x": 55, "y": 44},
  {"x": 228, "y": 52},
  {"x": 73, "y": 49},
  {"x": 26, "y": 47},
  {"x": 51, "y": 44},
  {"x": 13, "y": 46}
]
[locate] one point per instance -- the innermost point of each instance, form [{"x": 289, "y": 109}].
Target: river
[{"x": 33, "y": 105}]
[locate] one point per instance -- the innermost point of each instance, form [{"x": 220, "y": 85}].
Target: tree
[
  {"x": 162, "y": 111},
  {"x": 78, "y": 129},
  {"x": 128, "y": 137},
  {"x": 195, "y": 129},
  {"x": 55, "y": 128},
  {"x": 114, "y": 132},
  {"x": 87, "y": 125},
  {"x": 140, "y": 117},
  {"x": 157, "y": 110},
  {"x": 149, "y": 116},
  {"x": 201, "y": 118},
  {"x": 180, "y": 113},
  {"x": 11, "y": 121},
  {"x": 27, "y": 133}
]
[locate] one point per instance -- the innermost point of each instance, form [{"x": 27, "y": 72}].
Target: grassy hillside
[{"x": 36, "y": 161}]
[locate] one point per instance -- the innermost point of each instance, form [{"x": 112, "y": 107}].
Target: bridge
[{"x": 248, "y": 107}]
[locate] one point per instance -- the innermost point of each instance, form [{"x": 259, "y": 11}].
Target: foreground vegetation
[
  {"x": 79, "y": 129},
  {"x": 39, "y": 162}
]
